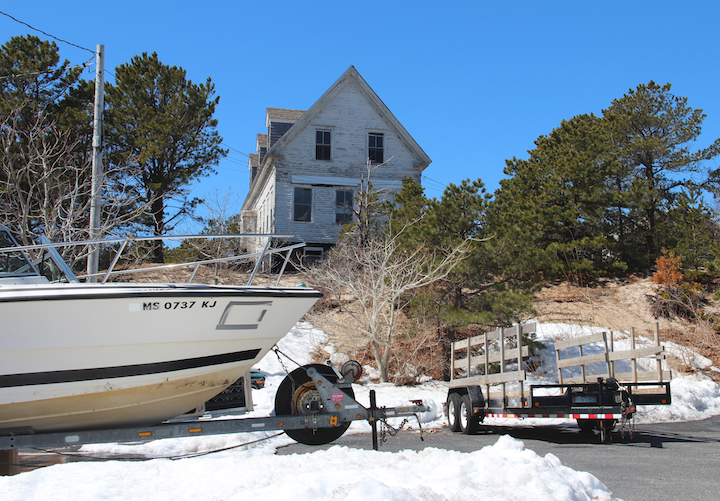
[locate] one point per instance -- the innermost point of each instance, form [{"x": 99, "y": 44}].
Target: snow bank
[{"x": 503, "y": 471}]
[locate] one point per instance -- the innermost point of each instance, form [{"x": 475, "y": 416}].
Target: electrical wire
[
  {"x": 235, "y": 149},
  {"x": 236, "y": 161},
  {"x": 34, "y": 73},
  {"x": 46, "y": 34},
  {"x": 436, "y": 182}
]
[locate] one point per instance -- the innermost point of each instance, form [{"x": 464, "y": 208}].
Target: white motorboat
[{"x": 78, "y": 355}]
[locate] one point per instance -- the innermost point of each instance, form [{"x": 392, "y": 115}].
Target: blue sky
[{"x": 474, "y": 83}]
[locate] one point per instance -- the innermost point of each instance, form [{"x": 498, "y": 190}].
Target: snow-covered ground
[{"x": 503, "y": 471}]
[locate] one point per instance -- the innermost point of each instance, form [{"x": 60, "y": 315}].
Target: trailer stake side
[{"x": 488, "y": 379}]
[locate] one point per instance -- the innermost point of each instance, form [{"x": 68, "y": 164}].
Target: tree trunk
[
  {"x": 382, "y": 368},
  {"x": 650, "y": 215},
  {"x": 446, "y": 342},
  {"x": 158, "y": 215}
]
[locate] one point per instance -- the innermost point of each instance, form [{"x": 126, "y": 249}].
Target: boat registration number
[{"x": 171, "y": 305}]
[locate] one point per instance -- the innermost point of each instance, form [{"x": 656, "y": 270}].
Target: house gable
[{"x": 386, "y": 120}]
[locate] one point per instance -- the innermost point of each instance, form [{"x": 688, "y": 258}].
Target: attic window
[
  {"x": 375, "y": 148},
  {"x": 322, "y": 145}
]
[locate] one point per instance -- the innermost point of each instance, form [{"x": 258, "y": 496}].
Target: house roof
[
  {"x": 282, "y": 115},
  {"x": 261, "y": 141}
]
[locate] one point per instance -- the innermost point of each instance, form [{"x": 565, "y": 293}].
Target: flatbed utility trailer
[
  {"x": 319, "y": 401},
  {"x": 488, "y": 379}
]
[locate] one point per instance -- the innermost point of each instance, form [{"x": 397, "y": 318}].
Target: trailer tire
[
  {"x": 453, "y": 412},
  {"x": 469, "y": 423},
  {"x": 298, "y": 384},
  {"x": 587, "y": 425}
]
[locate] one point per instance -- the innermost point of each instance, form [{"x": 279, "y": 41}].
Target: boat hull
[{"x": 114, "y": 355}]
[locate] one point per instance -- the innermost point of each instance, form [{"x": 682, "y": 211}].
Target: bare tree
[
  {"x": 375, "y": 277},
  {"x": 45, "y": 185},
  {"x": 221, "y": 219}
]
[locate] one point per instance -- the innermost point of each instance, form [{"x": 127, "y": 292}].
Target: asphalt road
[{"x": 661, "y": 462}]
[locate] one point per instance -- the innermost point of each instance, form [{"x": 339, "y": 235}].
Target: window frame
[
  {"x": 322, "y": 146},
  {"x": 302, "y": 203},
  {"x": 344, "y": 211},
  {"x": 373, "y": 149}
]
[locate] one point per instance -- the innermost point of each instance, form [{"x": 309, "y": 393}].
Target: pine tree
[
  {"x": 652, "y": 131},
  {"x": 697, "y": 241},
  {"x": 162, "y": 124},
  {"x": 563, "y": 200}
]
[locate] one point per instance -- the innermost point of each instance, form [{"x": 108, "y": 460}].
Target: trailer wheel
[
  {"x": 453, "y": 410},
  {"x": 469, "y": 423},
  {"x": 586, "y": 425},
  {"x": 296, "y": 392}
]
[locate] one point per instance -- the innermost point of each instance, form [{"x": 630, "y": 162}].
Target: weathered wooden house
[{"x": 309, "y": 166}]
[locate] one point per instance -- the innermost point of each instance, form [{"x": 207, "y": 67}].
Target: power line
[
  {"x": 47, "y": 34},
  {"x": 235, "y": 150},
  {"x": 15, "y": 75},
  {"x": 237, "y": 160},
  {"x": 436, "y": 182}
]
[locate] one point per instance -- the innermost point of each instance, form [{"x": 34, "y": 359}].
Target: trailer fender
[{"x": 477, "y": 400}]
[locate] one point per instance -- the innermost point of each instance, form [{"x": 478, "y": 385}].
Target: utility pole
[{"x": 97, "y": 172}]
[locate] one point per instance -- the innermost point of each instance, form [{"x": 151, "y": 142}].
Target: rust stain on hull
[{"x": 139, "y": 406}]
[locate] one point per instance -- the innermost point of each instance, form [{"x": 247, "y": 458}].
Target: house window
[
  {"x": 322, "y": 145},
  {"x": 343, "y": 206},
  {"x": 302, "y": 205},
  {"x": 375, "y": 148}
]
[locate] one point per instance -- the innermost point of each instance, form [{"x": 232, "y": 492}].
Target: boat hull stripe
[
  {"x": 76, "y": 375},
  {"x": 161, "y": 294}
]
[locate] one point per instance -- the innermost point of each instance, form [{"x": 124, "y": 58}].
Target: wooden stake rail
[
  {"x": 609, "y": 357},
  {"x": 500, "y": 347}
]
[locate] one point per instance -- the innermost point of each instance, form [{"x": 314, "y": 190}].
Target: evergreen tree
[
  {"x": 162, "y": 125},
  {"x": 563, "y": 200},
  {"x": 406, "y": 215},
  {"x": 455, "y": 218},
  {"x": 652, "y": 131},
  {"x": 697, "y": 234},
  {"x": 33, "y": 79}
]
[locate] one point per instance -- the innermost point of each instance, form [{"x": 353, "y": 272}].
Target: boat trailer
[{"x": 320, "y": 402}]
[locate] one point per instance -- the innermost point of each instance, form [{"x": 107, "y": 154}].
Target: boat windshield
[{"x": 13, "y": 263}]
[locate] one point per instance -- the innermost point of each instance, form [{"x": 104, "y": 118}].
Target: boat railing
[{"x": 259, "y": 257}]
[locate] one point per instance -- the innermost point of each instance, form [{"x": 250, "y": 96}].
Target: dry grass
[{"x": 206, "y": 274}]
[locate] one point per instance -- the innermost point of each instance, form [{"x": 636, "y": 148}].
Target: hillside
[
  {"x": 622, "y": 305},
  {"x": 619, "y": 305}
]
